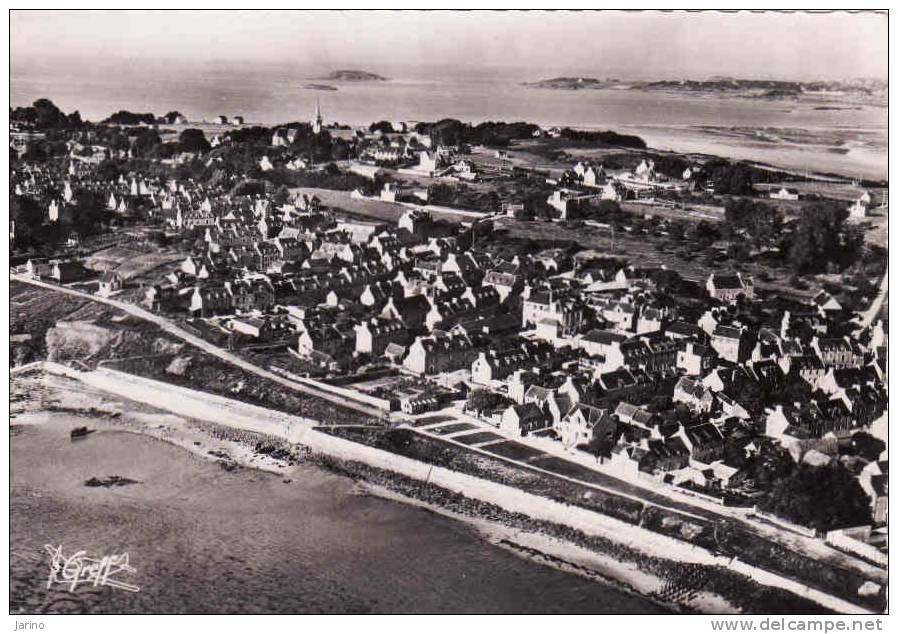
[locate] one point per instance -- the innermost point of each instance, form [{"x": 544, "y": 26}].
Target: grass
[
  {"x": 479, "y": 437},
  {"x": 445, "y": 430},
  {"x": 514, "y": 451}
]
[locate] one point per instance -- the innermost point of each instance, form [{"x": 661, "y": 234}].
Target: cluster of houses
[{"x": 591, "y": 351}]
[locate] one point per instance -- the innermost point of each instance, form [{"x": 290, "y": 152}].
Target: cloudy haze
[{"x": 626, "y": 45}]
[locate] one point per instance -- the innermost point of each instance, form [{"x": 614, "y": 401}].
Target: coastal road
[
  {"x": 791, "y": 540},
  {"x": 172, "y": 329}
]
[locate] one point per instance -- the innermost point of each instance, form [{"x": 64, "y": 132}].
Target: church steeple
[{"x": 316, "y": 124}]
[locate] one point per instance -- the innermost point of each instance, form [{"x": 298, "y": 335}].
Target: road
[
  {"x": 172, "y": 329},
  {"x": 870, "y": 314}
]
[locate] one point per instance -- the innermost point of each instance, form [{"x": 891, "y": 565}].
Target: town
[{"x": 680, "y": 328}]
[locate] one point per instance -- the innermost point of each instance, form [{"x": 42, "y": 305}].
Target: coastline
[
  {"x": 656, "y": 575},
  {"x": 232, "y": 448}
]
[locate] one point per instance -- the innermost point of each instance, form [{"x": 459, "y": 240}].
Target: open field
[{"x": 131, "y": 263}]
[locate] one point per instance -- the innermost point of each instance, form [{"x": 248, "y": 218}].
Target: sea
[
  {"x": 803, "y": 136},
  {"x": 201, "y": 539}
]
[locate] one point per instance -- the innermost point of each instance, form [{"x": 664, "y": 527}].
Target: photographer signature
[{"x": 80, "y": 569}]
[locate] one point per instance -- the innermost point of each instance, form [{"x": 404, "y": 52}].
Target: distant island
[
  {"x": 319, "y": 87},
  {"x": 866, "y": 90},
  {"x": 353, "y": 75},
  {"x": 574, "y": 83}
]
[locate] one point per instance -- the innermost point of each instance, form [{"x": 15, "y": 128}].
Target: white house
[{"x": 784, "y": 193}]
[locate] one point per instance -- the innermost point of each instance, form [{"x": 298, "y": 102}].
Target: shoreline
[
  {"x": 212, "y": 442},
  {"x": 685, "y": 579}
]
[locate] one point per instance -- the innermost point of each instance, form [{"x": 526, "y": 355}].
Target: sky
[{"x": 534, "y": 45}]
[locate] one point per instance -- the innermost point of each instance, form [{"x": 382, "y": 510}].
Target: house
[
  {"x": 630, "y": 414},
  {"x": 704, "y": 441},
  {"x": 391, "y": 193},
  {"x": 603, "y": 343},
  {"x": 694, "y": 358},
  {"x": 728, "y": 287},
  {"x": 543, "y": 307},
  {"x": 375, "y": 335},
  {"x": 666, "y": 455},
  {"x": 858, "y": 209},
  {"x": 505, "y": 283},
  {"x": 826, "y": 303},
  {"x": 838, "y": 352},
  {"x": 694, "y": 394},
  {"x": 110, "y": 282},
  {"x": 209, "y": 300},
  {"x": 326, "y": 339},
  {"x": 438, "y": 353},
  {"x": 64, "y": 272},
  {"x": 730, "y": 343},
  {"x": 524, "y": 419},
  {"x": 568, "y": 202},
  {"x": 221, "y": 120},
  {"x": 37, "y": 269},
  {"x": 417, "y": 222},
  {"x": 585, "y": 424},
  {"x": 784, "y": 193}
]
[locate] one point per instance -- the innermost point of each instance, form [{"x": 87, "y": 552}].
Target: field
[{"x": 131, "y": 263}]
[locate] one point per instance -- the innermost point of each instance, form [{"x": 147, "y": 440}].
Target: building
[
  {"x": 858, "y": 209},
  {"x": 373, "y": 336},
  {"x": 110, "y": 282},
  {"x": 568, "y": 202},
  {"x": 585, "y": 424},
  {"x": 417, "y": 222},
  {"x": 524, "y": 419},
  {"x": 438, "y": 353},
  {"x": 694, "y": 394},
  {"x": 730, "y": 343},
  {"x": 318, "y": 120},
  {"x": 728, "y": 287},
  {"x": 784, "y": 193}
]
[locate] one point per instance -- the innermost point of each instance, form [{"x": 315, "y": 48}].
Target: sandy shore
[{"x": 40, "y": 398}]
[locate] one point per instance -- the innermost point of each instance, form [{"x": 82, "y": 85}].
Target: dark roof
[
  {"x": 726, "y": 281},
  {"x": 704, "y": 434},
  {"x": 728, "y": 332}
]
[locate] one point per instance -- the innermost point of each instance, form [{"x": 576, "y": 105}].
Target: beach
[{"x": 269, "y": 535}]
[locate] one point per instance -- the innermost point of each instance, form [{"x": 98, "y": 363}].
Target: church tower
[{"x": 316, "y": 124}]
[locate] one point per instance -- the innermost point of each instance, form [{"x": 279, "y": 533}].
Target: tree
[
  {"x": 193, "y": 140},
  {"x": 384, "y": 126},
  {"x": 761, "y": 222},
  {"x": 821, "y": 240},
  {"x": 730, "y": 178},
  {"x": 825, "y": 498},
  {"x": 483, "y": 401},
  {"x": 524, "y": 212}
]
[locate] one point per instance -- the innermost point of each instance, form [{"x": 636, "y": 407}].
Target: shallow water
[{"x": 206, "y": 540}]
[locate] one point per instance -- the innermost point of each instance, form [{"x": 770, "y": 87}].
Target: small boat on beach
[{"x": 81, "y": 432}]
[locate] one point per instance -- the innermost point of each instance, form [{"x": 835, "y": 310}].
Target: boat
[{"x": 81, "y": 432}]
